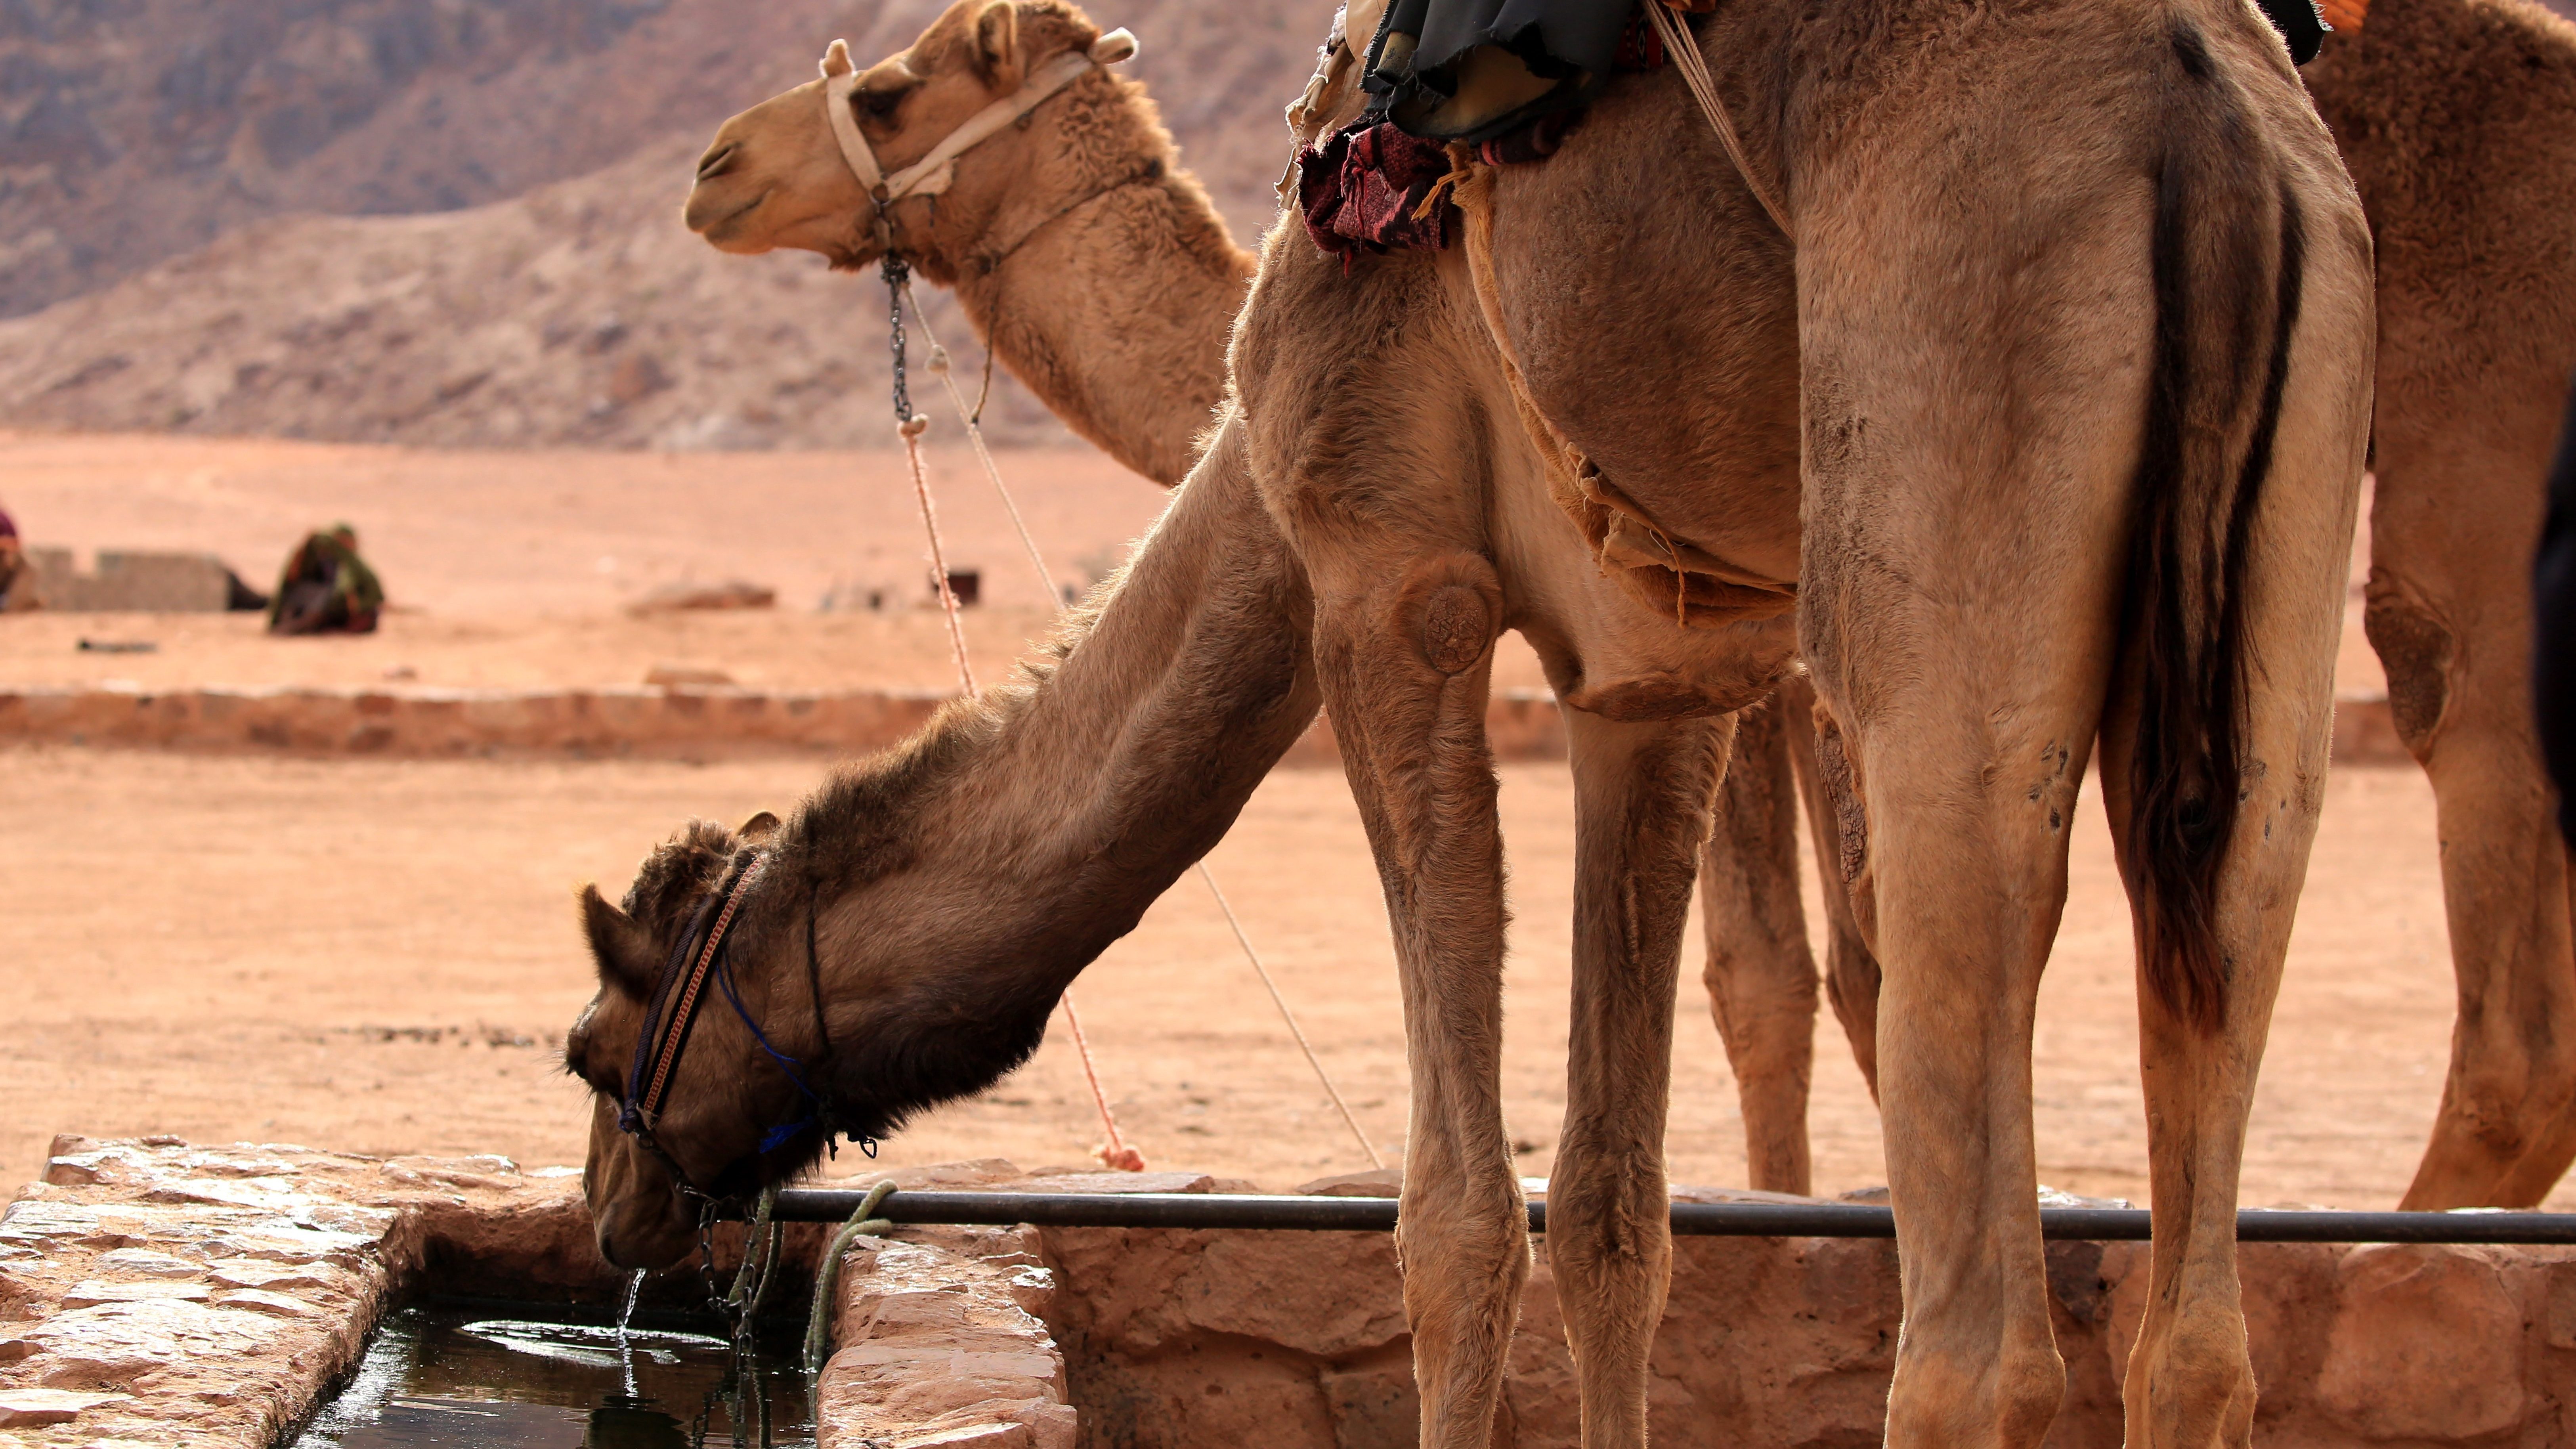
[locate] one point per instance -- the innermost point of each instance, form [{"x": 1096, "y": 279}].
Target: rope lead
[{"x": 1116, "y": 1153}]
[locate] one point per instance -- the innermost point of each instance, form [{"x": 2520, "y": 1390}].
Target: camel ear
[
  {"x": 758, "y": 828},
  {"x": 997, "y": 44},
  {"x": 836, "y": 60},
  {"x": 623, "y": 948}
]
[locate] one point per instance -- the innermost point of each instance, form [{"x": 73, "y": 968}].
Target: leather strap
[
  {"x": 648, "y": 1103},
  {"x": 933, "y": 174}
]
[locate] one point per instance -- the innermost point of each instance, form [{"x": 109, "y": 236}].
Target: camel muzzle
[{"x": 718, "y": 161}]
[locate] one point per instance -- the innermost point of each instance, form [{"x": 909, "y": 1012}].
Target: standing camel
[
  {"x": 1092, "y": 192},
  {"x": 2099, "y": 482},
  {"x": 2478, "y": 342}
]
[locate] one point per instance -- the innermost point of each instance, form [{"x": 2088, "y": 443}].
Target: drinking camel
[
  {"x": 2098, "y": 484},
  {"x": 2474, "y": 291}
]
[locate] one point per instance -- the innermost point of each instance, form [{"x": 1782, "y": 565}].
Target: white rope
[
  {"x": 975, "y": 434},
  {"x": 1115, "y": 1153},
  {"x": 1290, "y": 1017},
  {"x": 939, "y": 364},
  {"x": 911, "y": 428},
  {"x": 1684, "y": 50}
]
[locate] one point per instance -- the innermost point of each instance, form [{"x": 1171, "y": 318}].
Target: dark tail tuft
[{"x": 2227, "y": 280}]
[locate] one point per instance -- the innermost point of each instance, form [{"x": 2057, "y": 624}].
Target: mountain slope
[{"x": 582, "y": 312}]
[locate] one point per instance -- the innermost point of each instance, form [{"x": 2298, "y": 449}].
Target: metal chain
[{"x": 896, "y": 272}]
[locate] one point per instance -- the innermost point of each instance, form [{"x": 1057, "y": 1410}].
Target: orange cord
[{"x": 1116, "y": 1154}]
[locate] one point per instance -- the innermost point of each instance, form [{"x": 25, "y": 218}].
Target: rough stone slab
[
  {"x": 204, "y": 1296},
  {"x": 29, "y": 1408},
  {"x": 941, "y": 1341}
]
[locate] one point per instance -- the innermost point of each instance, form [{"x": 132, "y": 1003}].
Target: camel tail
[{"x": 2228, "y": 258}]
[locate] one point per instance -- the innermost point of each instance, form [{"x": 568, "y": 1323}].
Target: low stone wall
[
  {"x": 671, "y": 723},
  {"x": 1296, "y": 1340},
  {"x": 604, "y": 723},
  {"x": 156, "y": 1293}
]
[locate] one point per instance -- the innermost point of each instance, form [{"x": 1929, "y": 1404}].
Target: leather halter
[
  {"x": 660, "y": 1050},
  {"x": 933, "y": 173},
  {"x": 694, "y": 960}
]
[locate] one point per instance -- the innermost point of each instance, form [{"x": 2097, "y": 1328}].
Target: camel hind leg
[
  {"x": 1642, "y": 793},
  {"x": 1760, "y": 975},
  {"x": 2135, "y": 440},
  {"x": 2454, "y": 632},
  {"x": 2189, "y": 1380}
]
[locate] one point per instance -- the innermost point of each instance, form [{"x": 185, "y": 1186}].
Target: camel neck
[
  {"x": 1114, "y": 307},
  {"x": 1033, "y": 826}
]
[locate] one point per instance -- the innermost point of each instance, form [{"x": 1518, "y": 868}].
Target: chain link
[{"x": 896, "y": 272}]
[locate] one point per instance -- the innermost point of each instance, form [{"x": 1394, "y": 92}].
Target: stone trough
[{"x": 155, "y": 1293}]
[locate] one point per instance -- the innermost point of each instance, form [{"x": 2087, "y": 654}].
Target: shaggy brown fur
[
  {"x": 2457, "y": 119},
  {"x": 1089, "y": 187},
  {"x": 965, "y": 877}
]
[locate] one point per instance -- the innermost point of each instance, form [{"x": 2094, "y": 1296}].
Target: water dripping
[{"x": 625, "y": 1341}]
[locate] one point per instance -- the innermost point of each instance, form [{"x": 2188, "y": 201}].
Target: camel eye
[{"x": 879, "y": 105}]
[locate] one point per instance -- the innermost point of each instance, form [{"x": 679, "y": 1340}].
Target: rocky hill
[
  {"x": 454, "y": 222},
  {"x": 207, "y": 215}
]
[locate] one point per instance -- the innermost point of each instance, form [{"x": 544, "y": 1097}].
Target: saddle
[{"x": 1476, "y": 70}]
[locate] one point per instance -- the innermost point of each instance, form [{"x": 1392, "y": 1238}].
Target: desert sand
[{"x": 381, "y": 956}]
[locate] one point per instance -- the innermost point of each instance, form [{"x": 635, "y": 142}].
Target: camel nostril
[{"x": 716, "y": 162}]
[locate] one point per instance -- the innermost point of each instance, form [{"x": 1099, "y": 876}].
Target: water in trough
[{"x": 532, "y": 1376}]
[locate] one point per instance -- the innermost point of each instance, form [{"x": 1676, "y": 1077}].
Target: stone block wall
[
  {"x": 1293, "y": 1339},
  {"x": 673, "y": 722},
  {"x": 132, "y": 581}
]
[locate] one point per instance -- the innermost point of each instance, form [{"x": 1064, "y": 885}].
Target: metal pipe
[{"x": 1239, "y": 1211}]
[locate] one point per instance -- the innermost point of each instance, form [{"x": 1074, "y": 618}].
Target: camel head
[
  {"x": 776, "y": 177},
  {"x": 909, "y": 1023}
]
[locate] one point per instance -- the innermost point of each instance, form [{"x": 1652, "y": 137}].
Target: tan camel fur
[
  {"x": 2457, "y": 120},
  {"x": 1087, "y": 189},
  {"x": 2099, "y": 480}
]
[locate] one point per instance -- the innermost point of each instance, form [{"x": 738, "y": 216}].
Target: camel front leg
[
  {"x": 1405, "y": 660},
  {"x": 1641, "y": 803},
  {"x": 1760, "y": 975}
]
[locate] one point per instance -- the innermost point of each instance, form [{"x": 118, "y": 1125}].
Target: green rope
[
  {"x": 827, "y": 1276},
  {"x": 759, "y": 1257}
]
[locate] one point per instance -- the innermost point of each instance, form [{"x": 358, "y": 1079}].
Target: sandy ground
[
  {"x": 513, "y": 569},
  {"x": 381, "y": 956}
]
